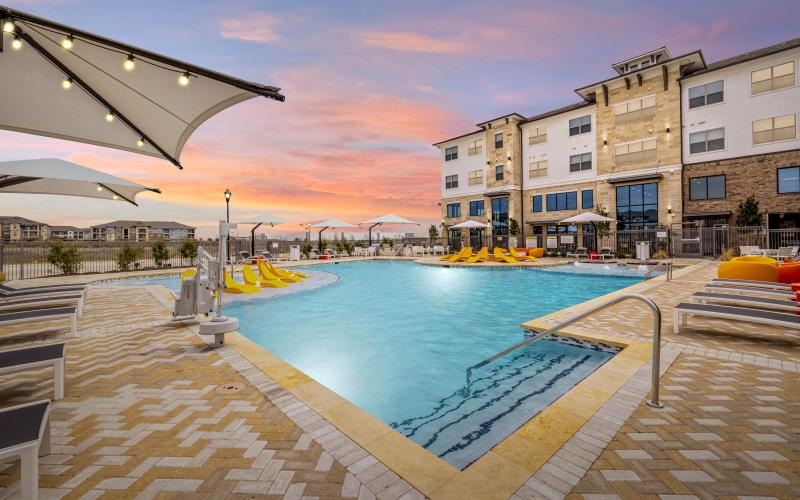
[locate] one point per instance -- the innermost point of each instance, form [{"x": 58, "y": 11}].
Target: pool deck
[{"x": 152, "y": 410}]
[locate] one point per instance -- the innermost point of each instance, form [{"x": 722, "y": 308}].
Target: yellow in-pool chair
[
  {"x": 251, "y": 278},
  {"x": 284, "y": 273},
  {"x": 499, "y": 256},
  {"x": 189, "y": 273},
  {"x": 233, "y": 286},
  {"x": 464, "y": 254},
  {"x": 520, "y": 256},
  {"x": 481, "y": 256},
  {"x": 267, "y": 274}
]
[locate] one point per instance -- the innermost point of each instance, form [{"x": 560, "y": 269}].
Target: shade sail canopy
[
  {"x": 59, "y": 177},
  {"x": 332, "y": 223},
  {"x": 104, "y": 92},
  {"x": 389, "y": 219},
  {"x": 587, "y": 217},
  {"x": 469, "y": 224},
  {"x": 263, "y": 219}
]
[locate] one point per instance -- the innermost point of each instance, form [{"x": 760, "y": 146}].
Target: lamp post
[{"x": 228, "y": 219}]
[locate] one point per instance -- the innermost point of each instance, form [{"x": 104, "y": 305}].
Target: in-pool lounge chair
[
  {"x": 464, "y": 254},
  {"x": 778, "y": 293},
  {"x": 521, "y": 256},
  {"x": 233, "y": 286},
  {"x": 281, "y": 272},
  {"x": 499, "y": 256},
  {"x": 269, "y": 275},
  {"x": 34, "y": 302},
  {"x": 481, "y": 256},
  {"x": 26, "y": 434},
  {"x": 251, "y": 278},
  {"x": 682, "y": 311},
  {"x": 578, "y": 253},
  {"x": 731, "y": 299},
  {"x": 26, "y": 316},
  {"x": 34, "y": 358}
]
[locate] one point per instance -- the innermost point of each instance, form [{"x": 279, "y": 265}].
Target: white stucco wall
[{"x": 463, "y": 165}]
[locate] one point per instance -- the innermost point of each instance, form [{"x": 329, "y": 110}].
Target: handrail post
[{"x": 655, "y": 373}]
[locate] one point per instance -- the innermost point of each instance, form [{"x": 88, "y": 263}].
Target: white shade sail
[
  {"x": 143, "y": 109},
  {"x": 332, "y": 223},
  {"x": 389, "y": 219},
  {"x": 469, "y": 224},
  {"x": 59, "y": 177},
  {"x": 263, "y": 219},
  {"x": 587, "y": 217}
]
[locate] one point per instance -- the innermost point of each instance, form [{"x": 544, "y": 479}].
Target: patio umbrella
[
  {"x": 60, "y": 81},
  {"x": 59, "y": 177},
  {"x": 329, "y": 223},
  {"x": 470, "y": 224},
  {"x": 257, "y": 222},
  {"x": 588, "y": 218},
  {"x": 386, "y": 219}
]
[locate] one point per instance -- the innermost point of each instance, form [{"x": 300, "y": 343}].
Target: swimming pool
[{"x": 395, "y": 338}]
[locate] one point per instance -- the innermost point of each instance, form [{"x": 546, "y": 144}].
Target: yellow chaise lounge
[
  {"x": 233, "y": 286},
  {"x": 267, "y": 274},
  {"x": 251, "y": 278},
  {"x": 520, "y": 256},
  {"x": 499, "y": 256},
  {"x": 282, "y": 273},
  {"x": 481, "y": 256},
  {"x": 464, "y": 254}
]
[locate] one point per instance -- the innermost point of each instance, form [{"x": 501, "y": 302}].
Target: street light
[{"x": 227, "y": 205}]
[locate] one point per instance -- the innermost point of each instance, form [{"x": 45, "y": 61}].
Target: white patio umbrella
[
  {"x": 59, "y": 177},
  {"x": 334, "y": 223},
  {"x": 386, "y": 219},
  {"x": 470, "y": 224},
  {"x": 60, "y": 81},
  {"x": 588, "y": 218},
  {"x": 258, "y": 221}
]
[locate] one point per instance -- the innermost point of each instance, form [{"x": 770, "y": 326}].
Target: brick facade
[{"x": 750, "y": 175}]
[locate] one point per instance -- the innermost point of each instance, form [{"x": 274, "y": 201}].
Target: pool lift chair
[{"x": 202, "y": 293}]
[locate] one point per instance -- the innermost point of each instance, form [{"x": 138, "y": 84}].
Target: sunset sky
[{"x": 369, "y": 86}]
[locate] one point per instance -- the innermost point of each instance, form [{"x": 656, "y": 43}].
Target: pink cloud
[
  {"x": 409, "y": 41},
  {"x": 256, "y": 27}
]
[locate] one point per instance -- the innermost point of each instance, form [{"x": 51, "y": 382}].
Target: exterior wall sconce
[
  {"x": 605, "y": 142},
  {"x": 669, "y": 212},
  {"x": 668, "y": 130}
]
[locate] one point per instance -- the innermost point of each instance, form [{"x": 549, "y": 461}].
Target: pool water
[{"x": 396, "y": 338}]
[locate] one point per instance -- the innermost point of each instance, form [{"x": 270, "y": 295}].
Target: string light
[
  {"x": 66, "y": 84},
  {"x": 129, "y": 63},
  {"x": 8, "y": 26},
  {"x": 68, "y": 42},
  {"x": 109, "y": 117},
  {"x": 99, "y": 188},
  {"x": 183, "y": 80},
  {"x": 140, "y": 142},
  {"x": 116, "y": 197},
  {"x": 16, "y": 44}
]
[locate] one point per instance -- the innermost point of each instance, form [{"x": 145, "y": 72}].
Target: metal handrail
[
  {"x": 654, "y": 392},
  {"x": 666, "y": 263}
]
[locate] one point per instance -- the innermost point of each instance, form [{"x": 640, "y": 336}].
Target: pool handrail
[
  {"x": 656, "y": 358},
  {"x": 665, "y": 263}
]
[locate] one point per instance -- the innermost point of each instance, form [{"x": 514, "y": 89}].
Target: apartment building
[
  {"x": 70, "y": 233},
  {"x": 127, "y": 230},
  {"x": 740, "y": 137},
  {"x": 21, "y": 229}
]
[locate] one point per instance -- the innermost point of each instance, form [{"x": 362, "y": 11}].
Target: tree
[
  {"x": 748, "y": 213},
  {"x": 160, "y": 253},
  {"x": 66, "y": 258},
  {"x": 603, "y": 228},
  {"x": 433, "y": 233},
  {"x": 513, "y": 227},
  {"x": 188, "y": 250},
  {"x": 126, "y": 256}
]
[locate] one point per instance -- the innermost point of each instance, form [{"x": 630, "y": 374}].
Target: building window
[
  {"x": 587, "y": 198},
  {"x": 789, "y": 180},
  {"x": 562, "y": 201},
  {"x": 578, "y": 163},
  {"x": 580, "y": 125},
  {"x": 500, "y": 216},
  {"x": 475, "y": 147},
  {"x": 703, "y": 95},
  {"x": 634, "y": 152},
  {"x": 476, "y": 208},
  {"x": 451, "y": 181},
  {"x": 708, "y": 140},
  {"x": 451, "y": 153},
  {"x": 498, "y": 140},
  {"x": 637, "y": 206},
  {"x": 537, "y": 169},
  {"x": 636, "y": 109},
  {"x": 475, "y": 177},
  {"x": 499, "y": 172},
  {"x": 454, "y": 209},
  {"x": 707, "y": 188},
  {"x": 536, "y": 203},
  {"x": 774, "y": 78},
  {"x": 538, "y": 136},
  {"x": 778, "y": 128}
]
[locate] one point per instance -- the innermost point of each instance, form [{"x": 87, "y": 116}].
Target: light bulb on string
[
  {"x": 68, "y": 42},
  {"x": 66, "y": 84},
  {"x": 99, "y": 188},
  {"x": 140, "y": 143},
  {"x": 109, "y": 117},
  {"x": 183, "y": 80},
  {"x": 16, "y": 44},
  {"x": 8, "y": 26},
  {"x": 129, "y": 63}
]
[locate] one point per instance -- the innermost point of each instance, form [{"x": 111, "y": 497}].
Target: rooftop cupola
[{"x": 642, "y": 61}]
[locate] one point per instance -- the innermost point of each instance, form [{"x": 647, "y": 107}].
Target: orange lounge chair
[
  {"x": 481, "y": 256},
  {"x": 499, "y": 256}
]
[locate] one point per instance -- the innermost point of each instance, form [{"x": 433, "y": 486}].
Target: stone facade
[
  {"x": 509, "y": 155},
  {"x": 548, "y": 217},
  {"x": 514, "y": 207},
  {"x": 745, "y": 176}
]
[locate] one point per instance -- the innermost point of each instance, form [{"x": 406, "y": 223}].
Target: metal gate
[{"x": 687, "y": 241}]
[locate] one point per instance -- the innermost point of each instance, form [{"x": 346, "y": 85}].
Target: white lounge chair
[
  {"x": 750, "y": 250},
  {"x": 26, "y": 434},
  {"x": 578, "y": 253},
  {"x": 36, "y": 357},
  {"x": 39, "y": 302},
  {"x": 752, "y": 283},
  {"x": 786, "y": 253},
  {"x": 745, "y": 301},
  {"x": 39, "y": 315},
  {"x": 358, "y": 252},
  {"x": 606, "y": 252},
  {"x": 750, "y": 290},
  {"x": 438, "y": 250},
  {"x": 682, "y": 311},
  {"x": 313, "y": 254}
]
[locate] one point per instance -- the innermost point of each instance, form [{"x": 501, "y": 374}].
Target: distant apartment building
[
  {"x": 70, "y": 233},
  {"x": 127, "y": 230},
  {"x": 22, "y": 229},
  {"x": 641, "y": 146}
]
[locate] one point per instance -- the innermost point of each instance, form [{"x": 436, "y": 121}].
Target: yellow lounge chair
[
  {"x": 189, "y": 273},
  {"x": 499, "y": 256},
  {"x": 251, "y": 278},
  {"x": 481, "y": 256},
  {"x": 283, "y": 273},
  {"x": 269, "y": 275},
  {"x": 233, "y": 286},
  {"x": 464, "y": 254},
  {"x": 520, "y": 256}
]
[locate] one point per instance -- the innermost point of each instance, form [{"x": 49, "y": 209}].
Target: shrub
[
  {"x": 660, "y": 255},
  {"x": 728, "y": 254},
  {"x": 126, "y": 256},
  {"x": 513, "y": 227},
  {"x": 160, "y": 253},
  {"x": 433, "y": 233},
  {"x": 748, "y": 213},
  {"x": 188, "y": 250},
  {"x": 306, "y": 248},
  {"x": 66, "y": 258}
]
